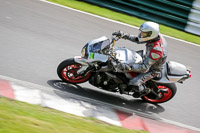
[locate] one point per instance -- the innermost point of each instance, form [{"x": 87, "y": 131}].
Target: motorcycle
[{"x": 97, "y": 64}]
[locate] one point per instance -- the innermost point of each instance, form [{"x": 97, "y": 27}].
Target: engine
[{"x": 103, "y": 81}]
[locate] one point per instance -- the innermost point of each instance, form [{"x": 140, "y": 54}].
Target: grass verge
[
  {"x": 19, "y": 117},
  {"x": 125, "y": 18}
]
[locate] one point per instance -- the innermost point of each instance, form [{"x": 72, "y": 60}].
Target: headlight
[{"x": 83, "y": 52}]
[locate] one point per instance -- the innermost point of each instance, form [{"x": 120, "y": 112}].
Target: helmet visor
[{"x": 143, "y": 34}]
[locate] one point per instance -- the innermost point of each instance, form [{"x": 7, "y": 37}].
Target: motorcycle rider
[{"x": 153, "y": 60}]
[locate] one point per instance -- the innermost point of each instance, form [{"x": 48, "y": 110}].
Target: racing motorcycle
[{"x": 97, "y": 64}]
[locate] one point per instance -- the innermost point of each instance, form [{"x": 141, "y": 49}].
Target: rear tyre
[
  {"x": 166, "y": 92},
  {"x": 68, "y": 69}
]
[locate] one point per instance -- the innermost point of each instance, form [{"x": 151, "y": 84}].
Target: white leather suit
[{"x": 153, "y": 60}]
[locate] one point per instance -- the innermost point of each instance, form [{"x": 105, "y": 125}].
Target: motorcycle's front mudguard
[
  {"x": 83, "y": 62},
  {"x": 68, "y": 69}
]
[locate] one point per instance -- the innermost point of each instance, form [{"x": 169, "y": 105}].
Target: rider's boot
[{"x": 140, "y": 91}]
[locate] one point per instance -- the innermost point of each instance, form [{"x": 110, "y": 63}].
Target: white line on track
[
  {"x": 114, "y": 21},
  {"x": 180, "y": 124}
]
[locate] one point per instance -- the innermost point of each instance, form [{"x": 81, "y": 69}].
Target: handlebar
[{"x": 115, "y": 38}]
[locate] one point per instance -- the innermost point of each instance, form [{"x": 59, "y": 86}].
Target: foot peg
[{"x": 143, "y": 93}]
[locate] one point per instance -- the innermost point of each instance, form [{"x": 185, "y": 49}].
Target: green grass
[
  {"x": 19, "y": 117},
  {"x": 125, "y": 18}
]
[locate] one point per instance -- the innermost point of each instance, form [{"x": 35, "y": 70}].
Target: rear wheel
[
  {"x": 165, "y": 92},
  {"x": 68, "y": 69}
]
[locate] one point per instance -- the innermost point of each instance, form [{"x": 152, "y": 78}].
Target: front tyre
[
  {"x": 166, "y": 92},
  {"x": 68, "y": 69}
]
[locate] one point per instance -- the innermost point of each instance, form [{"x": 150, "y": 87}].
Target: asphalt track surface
[{"x": 36, "y": 36}]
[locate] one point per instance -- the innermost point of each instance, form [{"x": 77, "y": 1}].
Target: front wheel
[
  {"x": 166, "y": 92},
  {"x": 68, "y": 69}
]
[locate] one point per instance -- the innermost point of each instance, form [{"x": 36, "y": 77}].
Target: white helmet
[{"x": 148, "y": 31}]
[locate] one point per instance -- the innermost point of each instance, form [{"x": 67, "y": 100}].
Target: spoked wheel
[
  {"x": 165, "y": 92},
  {"x": 67, "y": 71}
]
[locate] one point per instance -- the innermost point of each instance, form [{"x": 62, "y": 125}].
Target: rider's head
[{"x": 148, "y": 32}]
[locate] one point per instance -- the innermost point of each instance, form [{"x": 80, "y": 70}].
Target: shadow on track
[{"x": 62, "y": 88}]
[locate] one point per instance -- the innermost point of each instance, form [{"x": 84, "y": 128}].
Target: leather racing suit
[{"x": 153, "y": 60}]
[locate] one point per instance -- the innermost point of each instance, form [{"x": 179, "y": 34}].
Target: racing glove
[
  {"x": 118, "y": 33},
  {"x": 121, "y": 34}
]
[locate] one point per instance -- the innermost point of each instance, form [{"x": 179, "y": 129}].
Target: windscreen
[{"x": 99, "y": 46}]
